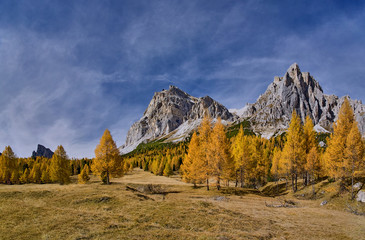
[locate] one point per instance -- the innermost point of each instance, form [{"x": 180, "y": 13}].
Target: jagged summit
[
  {"x": 172, "y": 114},
  {"x": 300, "y": 91},
  {"x": 42, "y": 151},
  {"x": 168, "y": 111}
]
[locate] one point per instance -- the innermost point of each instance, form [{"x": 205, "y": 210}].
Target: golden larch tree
[
  {"x": 309, "y": 143},
  {"x": 313, "y": 166},
  {"x": 354, "y": 154},
  {"x": 83, "y": 177},
  {"x": 60, "y": 169},
  {"x": 240, "y": 152},
  {"x": 108, "y": 161},
  {"x": 294, "y": 151},
  {"x": 218, "y": 152},
  {"x": 205, "y": 130},
  {"x": 190, "y": 168},
  {"x": 7, "y": 165},
  {"x": 335, "y": 155}
]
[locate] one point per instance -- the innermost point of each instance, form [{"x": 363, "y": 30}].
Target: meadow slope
[{"x": 95, "y": 211}]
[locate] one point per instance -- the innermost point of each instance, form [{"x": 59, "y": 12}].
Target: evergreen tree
[
  {"x": 107, "y": 158},
  {"x": 60, "y": 168}
]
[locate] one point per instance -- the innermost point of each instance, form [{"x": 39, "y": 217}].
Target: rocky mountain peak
[
  {"x": 293, "y": 71},
  {"x": 297, "y": 91},
  {"x": 167, "y": 111},
  {"x": 42, "y": 151}
]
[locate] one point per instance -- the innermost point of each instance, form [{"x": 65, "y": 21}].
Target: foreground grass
[{"x": 95, "y": 211}]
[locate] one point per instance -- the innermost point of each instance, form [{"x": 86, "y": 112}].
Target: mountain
[
  {"x": 42, "y": 151},
  {"x": 173, "y": 114},
  {"x": 300, "y": 91}
]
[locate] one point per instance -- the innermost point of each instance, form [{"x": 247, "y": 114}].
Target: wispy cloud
[{"x": 68, "y": 70}]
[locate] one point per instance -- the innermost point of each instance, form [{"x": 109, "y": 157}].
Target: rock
[
  {"x": 324, "y": 203},
  {"x": 357, "y": 186},
  {"x": 300, "y": 91},
  {"x": 220, "y": 198},
  {"x": 361, "y": 196},
  {"x": 173, "y": 114},
  {"x": 42, "y": 152},
  {"x": 170, "y": 109}
]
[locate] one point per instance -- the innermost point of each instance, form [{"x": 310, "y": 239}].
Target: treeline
[
  {"x": 58, "y": 169},
  {"x": 159, "y": 158},
  {"x": 252, "y": 161},
  {"x": 107, "y": 163}
]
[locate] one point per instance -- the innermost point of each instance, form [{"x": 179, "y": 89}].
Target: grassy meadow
[{"x": 129, "y": 208}]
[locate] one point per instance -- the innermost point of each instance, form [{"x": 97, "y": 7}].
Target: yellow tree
[
  {"x": 240, "y": 152},
  {"x": 7, "y": 165},
  {"x": 218, "y": 152},
  {"x": 276, "y": 168},
  {"x": 60, "y": 168},
  {"x": 354, "y": 153},
  {"x": 84, "y": 175},
  {"x": 309, "y": 143},
  {"x": 293, "y": 151},
  {"x": 205, "y": 131},
  {"x": 313, "y": 166},
  {"x": 336, "y": 151},
  {"x": 108, "y": 161},
  {"x": 190, "y": 168},
  {"x": 25, "y": 176}
]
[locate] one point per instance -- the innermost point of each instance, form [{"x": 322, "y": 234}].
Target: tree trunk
[
  {"x": 107, "y": 178},
  {"x": 241, "y": 177},
  {"x": 207, "y": 184},
  {"x": 218, "y": 183},
  {"x": 352, "y": 180},
  {"x": 292, "y": 182},
  {"x": 312, "y": 180},
  {"x": 236, "y": 179},
  {"x": 296, "y": 182}
]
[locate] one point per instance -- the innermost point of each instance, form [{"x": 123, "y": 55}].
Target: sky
[{"x": 71, "y": 69}]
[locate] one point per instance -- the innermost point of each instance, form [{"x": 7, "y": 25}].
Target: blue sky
[{"x": 71, "y": 69}]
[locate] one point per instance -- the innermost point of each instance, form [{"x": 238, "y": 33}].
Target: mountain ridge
[{"x": 173, "y": 114}]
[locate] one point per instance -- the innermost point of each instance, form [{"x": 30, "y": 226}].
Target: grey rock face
[
  {"x": 300, "y": 91},
  {"x": 361, "y": 196},
  {"x": 169, "y": 109},
  {"x": 42, "y": 151}
]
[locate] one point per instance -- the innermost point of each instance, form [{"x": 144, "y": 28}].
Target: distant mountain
[
  {"x": 42, "y": 151},
  {"x": 300, "y": 91},
  {"x": 173, "y": 114}
]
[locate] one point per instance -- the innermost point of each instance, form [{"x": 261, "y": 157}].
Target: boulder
[{"x": 361, "y": 196}]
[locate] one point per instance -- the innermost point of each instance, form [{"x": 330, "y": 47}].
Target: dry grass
[{"x": 95, "y": 211}]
